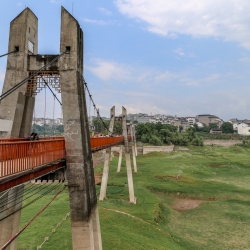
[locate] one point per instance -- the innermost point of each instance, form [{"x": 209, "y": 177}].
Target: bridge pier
[
  {"x": 16, "y": 110},
  {"x": 107, "y": 158},
  {"x": 120, "y": 159},
  {"x": 80, "y": 174},
  {"x": 132, "y": 198},
  {"x": 132, "y": 143}
]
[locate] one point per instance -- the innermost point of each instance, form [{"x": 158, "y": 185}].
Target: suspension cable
[
  {"x": 97, "y": 110},
  {"x": 53, "y": 124},
  {"x": 24, "y": 198},
  {"x": 31, "y": 202},
  {"x": 44, "y": 123},
  {"x": 18, "y": 233},
  {"x": 16, "y": 50},
  {"x": 8, "y": 92},
  {"x": 16, "y": 196}
]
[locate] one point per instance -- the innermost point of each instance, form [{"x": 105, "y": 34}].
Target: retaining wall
[{"x": 224, "y": 143}]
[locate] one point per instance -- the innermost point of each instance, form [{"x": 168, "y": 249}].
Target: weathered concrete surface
[
  {"x": 23, "y": 29},
  {"x": 107, "y": 158},
  {"x": 16, "y": 110},
  {"x": 149, "y": 149},
  {"x": 132, "y": 142},
  {"x": 36, "y": 62},
  {"x": 96, "y": 229},
  {"x": 120, "y": 158},
  {"x": 80, "y": 174},
  {"x": 224, "y": 143},
  {"x": 127, "y": 157}
]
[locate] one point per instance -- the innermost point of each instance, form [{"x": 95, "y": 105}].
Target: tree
[
  {"x": 213, "y": 125},
  {"x": 99, "y": 127},
  {"x": 227, "y": 128},
  {"x": 118, "y": 129},
  {"x": 180, "y": 128}
]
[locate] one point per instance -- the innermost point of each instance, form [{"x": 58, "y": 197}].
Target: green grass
[{"x": 217, "y": 177}]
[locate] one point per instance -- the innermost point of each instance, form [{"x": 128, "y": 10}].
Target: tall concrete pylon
[
  {"x": 107, "y": 158},
  {"x": 16, "y": 110},
  {"x": 82, "y": 193},
  {"x": 16, "y": 113}
]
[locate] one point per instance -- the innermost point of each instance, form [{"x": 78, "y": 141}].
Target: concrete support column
[
  {"x": 133, "y": 129},
  {"x": 120, "y": 159},
  {"x": 82, "y": 235},
  {"x": 16, "y": 110},
  {"x": 105, "y": 175},
  {"x": 80, "y": 173},
  {"x": 132, "y": 198},
  {"x": 134, "y": 158},
  {"x": 10, "y": 225},
  {"x": 96, "y": 229},
  {"x": 133, "y": 146},
  {"x": 107, "y": 158}
]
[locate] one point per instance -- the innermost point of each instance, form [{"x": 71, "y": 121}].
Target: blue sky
[{"x": 172, "y": 57}]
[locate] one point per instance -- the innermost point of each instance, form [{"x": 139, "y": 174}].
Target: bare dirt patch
[
  {"x": 98, "y": 178},
  {"x": 186, "y": 204}
]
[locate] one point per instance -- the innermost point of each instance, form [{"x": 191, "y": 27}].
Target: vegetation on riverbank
[{"x": 194, "y": 199}]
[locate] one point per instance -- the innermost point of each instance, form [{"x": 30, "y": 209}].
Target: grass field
[{"x": 195, "y": 199}]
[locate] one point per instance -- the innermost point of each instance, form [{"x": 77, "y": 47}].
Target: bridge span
[{"x": 22, "y": 160}]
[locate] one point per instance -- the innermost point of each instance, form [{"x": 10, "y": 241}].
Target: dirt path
[{"x": 137, "y": 218}]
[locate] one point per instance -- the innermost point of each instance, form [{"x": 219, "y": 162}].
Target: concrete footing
[
  {"x": 96, "y": 230},
  {"x": 88, "y": 233}
]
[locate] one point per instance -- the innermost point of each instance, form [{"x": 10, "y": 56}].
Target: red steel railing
[
  {"x": 99, "y": 143},
  {"x": 18, "y": 156}
]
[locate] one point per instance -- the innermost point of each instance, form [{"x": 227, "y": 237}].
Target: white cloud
[
  {"x": 19, "y": 4},
  {"x": 99, "y": 22},
  {"x": 108, "y": 70},
  {"x": 179, "y": 52},
  {"x": 105, "y": 11},
  {"x": 227, "y": 19},
  {"x": 56, "y": 1},
  {"x": 245, "y": 59}
]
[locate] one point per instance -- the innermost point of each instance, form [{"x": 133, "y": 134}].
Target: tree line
[{"x": 159, "y": 134}]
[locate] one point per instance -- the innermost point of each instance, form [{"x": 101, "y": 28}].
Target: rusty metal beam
[{"x": 28, "y": 175}]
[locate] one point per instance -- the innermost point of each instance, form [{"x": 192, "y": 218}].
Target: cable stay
[
  {"x": 14, "y": 51},
  {"x": 27, "y": 224},
  {"x": 96, "y": 109},
  {"x": 8, "y": 92}
]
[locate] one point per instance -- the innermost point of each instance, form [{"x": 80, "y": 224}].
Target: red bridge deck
[{"x": 22, "y": 160}]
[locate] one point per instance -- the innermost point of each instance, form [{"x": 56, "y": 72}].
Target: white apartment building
[{"x": 242, "y": 128}]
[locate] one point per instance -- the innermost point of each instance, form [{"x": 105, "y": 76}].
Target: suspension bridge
[{"x": 58, "y": 158}]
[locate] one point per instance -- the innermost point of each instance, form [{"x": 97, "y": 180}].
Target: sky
[{"x": 181, "y": 57}]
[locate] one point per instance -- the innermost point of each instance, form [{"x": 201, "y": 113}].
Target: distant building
[
  {"x": 215, "y": 131},
  {"x": 242, "y": 128},
  {"x": 191, "y": 120},
  {"x": 181, "y": 121},
  {"x": 207, "y": 119}
]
